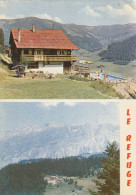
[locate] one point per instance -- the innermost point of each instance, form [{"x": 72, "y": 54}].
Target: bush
[
  {"x": 80, "y": 187},
  {"x": 86, "y": 74},
  {"x": 70, "y": 181},
  {"x": 78, "y": 78}
]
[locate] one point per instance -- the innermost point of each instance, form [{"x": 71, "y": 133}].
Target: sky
[
  {"x": 84, "y": 12},
  {"x": 15, "y": 115}
]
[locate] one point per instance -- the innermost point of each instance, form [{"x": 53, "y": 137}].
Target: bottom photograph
[{"x": 59, "y": 148}]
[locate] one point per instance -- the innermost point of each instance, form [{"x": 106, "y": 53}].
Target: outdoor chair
[{"x": 20, "y": 74}]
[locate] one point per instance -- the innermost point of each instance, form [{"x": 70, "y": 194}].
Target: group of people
[{"x": 105, "y": 75}]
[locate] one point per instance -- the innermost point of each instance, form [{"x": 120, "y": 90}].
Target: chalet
[{"x": 42, "y": 50}]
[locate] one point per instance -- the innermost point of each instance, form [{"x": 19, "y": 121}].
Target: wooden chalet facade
[{"x": 42, "y": 50}]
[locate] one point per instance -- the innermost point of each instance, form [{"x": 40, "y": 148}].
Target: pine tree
[
  {"x": 1, "y": 41},
  {"x": 110, "y": 173}
]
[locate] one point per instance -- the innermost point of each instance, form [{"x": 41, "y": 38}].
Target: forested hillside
[
  {"x": 29, "y": 177},
  {"x": 125, "y": 50}
]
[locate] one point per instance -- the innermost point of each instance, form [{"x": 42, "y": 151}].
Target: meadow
[
  {"x": 61, "y": 87},
  {"x": 82, "y": 187}
]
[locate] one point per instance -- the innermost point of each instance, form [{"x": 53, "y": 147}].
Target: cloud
[
  {"x": 2, "y": 3},
  {"x": 131, "y": 3},
  {"x": 125, "y": 11},
  {"x": 56, "y": 19},
  {"x": 2, "y": 118},
  {"x": 20, "y": 16},
  {"x": 70, "y": 103},
  {"x": 91, "y": 12},
  {"x": 104, "y": 102},
  {"x": 52, "y": 103},
  {"x": 48, "y": 17},
  {"x": 3, "y": 16},
  {"x": 44, "y": 16}
]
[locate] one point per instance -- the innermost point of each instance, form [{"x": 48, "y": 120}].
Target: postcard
[
  {"x": 68, "y": 147},
  {"x": 65, "y": 49},
  {"x": 67, "y": 90}
]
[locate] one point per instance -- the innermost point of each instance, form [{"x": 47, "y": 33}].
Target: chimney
[
  {"x": 33, "y": 28},
  {"x": 19, "y": 35}
]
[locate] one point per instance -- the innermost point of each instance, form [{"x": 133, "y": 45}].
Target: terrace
[{"x": 31, "y": 58}]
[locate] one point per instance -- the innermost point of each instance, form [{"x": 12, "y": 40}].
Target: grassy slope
[
  {"x": 12, "y": 87},
  {"x": 65, "y": 188},
  {"x": 58, "y": 88}
]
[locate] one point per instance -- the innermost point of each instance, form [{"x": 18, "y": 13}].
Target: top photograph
[{"x": 65, "y": 49}]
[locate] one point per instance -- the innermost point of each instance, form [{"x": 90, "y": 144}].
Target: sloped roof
[{"x": 49, "y": 39}]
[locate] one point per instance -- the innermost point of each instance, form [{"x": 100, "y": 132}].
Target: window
[
  {"x": 47, "y": 52},
  {"x": 39, "y": 52},
  {"x": 26, "y": 51}
]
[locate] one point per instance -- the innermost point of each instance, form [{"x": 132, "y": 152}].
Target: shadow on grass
[
  {"x": 121, "y": 62},
  {"x": 100, "y": 66},
  {"x": 9, "y": 65},
  {"x": 15, "y": 76}
]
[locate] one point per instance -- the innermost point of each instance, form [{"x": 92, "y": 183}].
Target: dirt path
[
  {"x": 2, "y": 70},
  {"x": 5, "y": 58}
]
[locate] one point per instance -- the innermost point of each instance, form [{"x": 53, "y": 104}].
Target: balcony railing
[{"x": 49, "y": 58}]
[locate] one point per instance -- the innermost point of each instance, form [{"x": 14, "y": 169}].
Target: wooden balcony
[{"x": 48, "y": 58}]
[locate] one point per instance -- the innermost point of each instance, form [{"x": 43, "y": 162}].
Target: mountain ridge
[
  {"x": 91, "y": 38},
  {"x": 80, "y": 156},
  {"x": 58, "y": 142}
]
